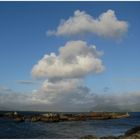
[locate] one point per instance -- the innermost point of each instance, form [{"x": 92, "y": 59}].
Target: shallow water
[{"x": 73, "y": 129}]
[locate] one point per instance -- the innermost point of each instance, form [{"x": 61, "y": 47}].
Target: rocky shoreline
[
  {"x": 56, "y": 117},
  {"x": 133, "y": 133}
]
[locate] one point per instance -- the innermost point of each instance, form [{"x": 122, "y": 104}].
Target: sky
[{"x": 69, "y": 56}]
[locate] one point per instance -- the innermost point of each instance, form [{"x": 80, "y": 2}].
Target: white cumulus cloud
[
  {"x": 67, "y": 95},
  {"x": 63, "y": 91},
  {"x": 106, "y": 25},
  {"x": 75, "y": 60}
]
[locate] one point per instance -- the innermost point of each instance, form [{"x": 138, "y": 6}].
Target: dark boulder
[
  {"x": 133, "y": 130},
  {"x": 109, "y": 137},
  {"x": 133, "y": 133},
  {"x": 89, "y": 137}
]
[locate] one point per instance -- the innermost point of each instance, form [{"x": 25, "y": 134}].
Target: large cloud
[
  {"x": 66, "y": 92},
  {"x": 63, "y": 74},
  {"x": 106, "y": 25},
  {"x": 67, "y": 95},
  {"x": 63, "y": 95},
  {"x": 75, "y": 60}
]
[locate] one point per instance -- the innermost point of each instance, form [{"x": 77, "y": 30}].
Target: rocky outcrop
[
  {"x": 55, "y": 117},
  {"x": 19, "y": 119},
  {"x": 11, "y": 114},
  {"x": 63, "y": 118},
  {"x": 46, "y": 119},
  {"x": 15, "y": 116},
  {"x": 35, "y": 118},
  {"x": 94, "y": 137},
  {"x": 93, "y": 116},
  {"x": 133, "y": 133},
  {"x": 107, "y": 115},
  {"x": 89, "y": 137},
  {"x": 109, "y": 137},
  {"x": 50, "y": 117},
  {"x": 119, "y": 115}
]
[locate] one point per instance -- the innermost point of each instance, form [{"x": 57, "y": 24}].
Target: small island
[
  {"x": 51, "y": 117},
  {"x": 57, "y": 117}
]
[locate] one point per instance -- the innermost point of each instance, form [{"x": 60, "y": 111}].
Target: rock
[
  {"x": 133, "y": 130},
  {"x": 89, "y": 137},
  {"x": 50, "y": 119},
  {"x": 133, "y": 133},
  {"x": 104, "y": 115},
  {"x": 19, "y": 119},
  {"x": 108, "y": 137},
  {"x": 15, "y": 113},
  {"x": 96, "y": 114},
  {"x": 55, "y": 117},
  {"x": 50, "y": 115},
  {"x": 44, "y": 119},
  {"x": 81, "y": 117},
  {"x": 35, "y": 119},
  {"x": 11, "y": 114},
  {"x": 119, "y": 115},
  {"x": 1, "y": 115},
  {"x": 101, "y": 118},
  {"x": 63, "y": 118},
  {"x": 72, "y": 119}
]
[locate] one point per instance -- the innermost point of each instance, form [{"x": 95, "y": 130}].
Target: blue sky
[{"x": 23, "y": 42}]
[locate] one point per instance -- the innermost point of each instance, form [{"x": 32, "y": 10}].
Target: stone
[
  {"x": 133, "y": 133},
  {"x": 89, "y": 137},
  {"x": 108, "y": 137},
  {"x": 35, "y": 119},
  {"x": 19, "y": 119}
]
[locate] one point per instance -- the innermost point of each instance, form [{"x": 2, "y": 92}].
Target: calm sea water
[{"x": 73, "y": 129}]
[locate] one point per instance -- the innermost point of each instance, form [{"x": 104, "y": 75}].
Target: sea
[{"x": 9, "y": 129}]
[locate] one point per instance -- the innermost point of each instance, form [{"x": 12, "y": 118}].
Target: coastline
[{"x": 51, "y": 119}]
